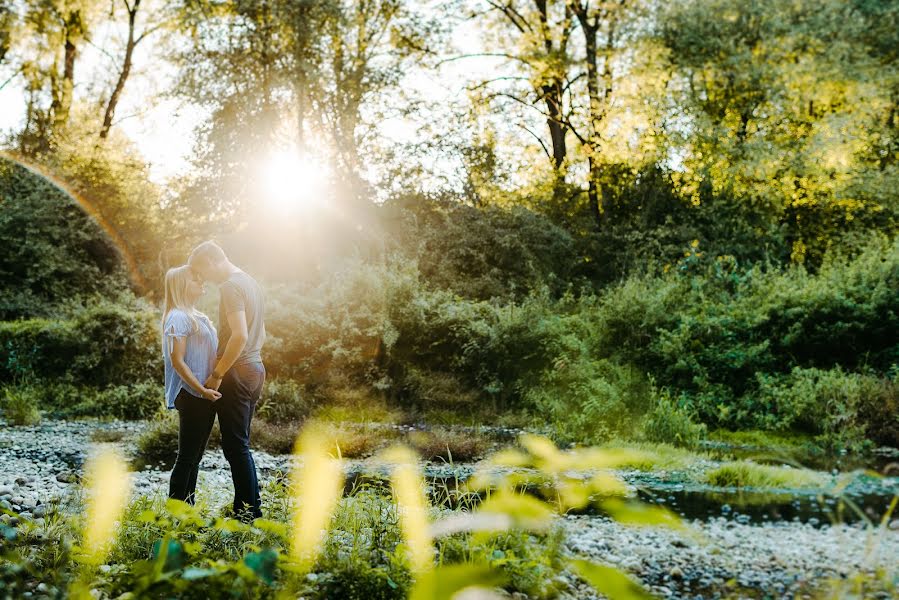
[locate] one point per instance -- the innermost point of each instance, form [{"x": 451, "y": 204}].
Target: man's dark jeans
[{"x": 241, "y": 389}]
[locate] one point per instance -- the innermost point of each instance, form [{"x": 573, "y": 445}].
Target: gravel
[{"x": 710, "y": 558}]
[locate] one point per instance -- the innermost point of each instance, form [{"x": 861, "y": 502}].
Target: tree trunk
[
  {"x": 123, "y": 74},
  {"x": 62, "y": 95},
  {"x": 552, "y": 92},
  {"x": 590, "y": 27}
]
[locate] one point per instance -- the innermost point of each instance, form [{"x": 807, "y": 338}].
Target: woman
[{"x": 189, "y": 342}]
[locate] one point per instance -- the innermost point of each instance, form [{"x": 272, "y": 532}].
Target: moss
[{"x": 750, "y": 474}]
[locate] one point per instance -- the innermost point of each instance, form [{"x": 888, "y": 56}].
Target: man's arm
[
  {"x": 179, "y": 346},
  {"x": 237, "y": 321}
]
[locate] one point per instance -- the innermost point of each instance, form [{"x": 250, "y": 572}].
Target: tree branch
[{"x": 537, "y": 137}]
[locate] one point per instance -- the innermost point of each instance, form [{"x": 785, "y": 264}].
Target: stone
[
  {"x": 5, "y": 490},
  {"x": 66, "y": 477},
  {"x": 676, "y": 572}
]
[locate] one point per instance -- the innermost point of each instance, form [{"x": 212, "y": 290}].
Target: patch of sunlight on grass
[
  {"x": 749, "y": 474},
  {"x": 649, "y": 456},
  {"x": 761, "y": 439},
  {"x": 373, "y": 412}
]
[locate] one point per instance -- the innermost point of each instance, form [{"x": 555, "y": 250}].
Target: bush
[
  {"x": 101, "y": 344},
  {"x": 134, "y": 401},
  {"x": 449, "y": 445},
  {"x": 590, "y": 401},
  {"x": 284, "y": 401},
  {"x": 53, "y": 250},
  {"x": 274, "y": 438},
  {"x": 20, "y": 405},
  {"x": 668, "y": 421},
  {"x": 841, "y": 408},
  {"x": 159, "y": 442}
]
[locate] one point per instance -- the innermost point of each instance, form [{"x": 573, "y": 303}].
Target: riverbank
[{"x": 723, "y": 551}]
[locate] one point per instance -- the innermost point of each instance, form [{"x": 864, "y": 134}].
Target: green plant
[
  {"x": 589, "y": 401},
  {"x": 20, "y": 405},
  {"x": 668, "y": 421},
  {"x": 449, "y": 445},
  {"x": 749, "y": 474},
  {"x": 285, "y": 401}
]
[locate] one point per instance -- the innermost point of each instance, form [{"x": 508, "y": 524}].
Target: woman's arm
[{"x": 179, "y": 345}]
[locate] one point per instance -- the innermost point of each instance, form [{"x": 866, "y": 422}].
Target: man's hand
[
  {"x": 211, "y": 394},
  {"x": 213, "y": 383}
]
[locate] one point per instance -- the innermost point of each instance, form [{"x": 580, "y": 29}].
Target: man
[{"x": 239, "y": 372}]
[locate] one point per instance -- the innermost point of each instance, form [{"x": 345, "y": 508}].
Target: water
[{"x": 866, "y": 504}]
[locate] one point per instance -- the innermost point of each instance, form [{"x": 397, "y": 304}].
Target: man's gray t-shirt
[{"x": 241, "y": 292}]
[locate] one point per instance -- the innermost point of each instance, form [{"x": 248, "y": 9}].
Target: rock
[
  {"x": 66, "y": 477},
  {"x": 39, "y": 511},
  {"x": 5, "y": 490},
  {"x": 676, "y": 572}
]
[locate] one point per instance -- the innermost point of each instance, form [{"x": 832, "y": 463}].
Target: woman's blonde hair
[{"x": 176, "y": 280}]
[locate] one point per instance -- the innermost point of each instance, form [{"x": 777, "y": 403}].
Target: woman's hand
[{"x": 211, "y": 394}]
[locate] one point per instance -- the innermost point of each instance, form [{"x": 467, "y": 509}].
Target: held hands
[
  {"x": 211, "y": 394},
  {"x": 213, "y": 382}
]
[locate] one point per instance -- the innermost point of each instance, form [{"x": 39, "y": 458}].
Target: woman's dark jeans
[{"x": 241, "y": 389}]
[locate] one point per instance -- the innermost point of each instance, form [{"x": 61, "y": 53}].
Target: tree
[
  {"x": 789, "y": 110},
  {"x": 55, "y": 32},
  {"x": 161, "y": 17}
]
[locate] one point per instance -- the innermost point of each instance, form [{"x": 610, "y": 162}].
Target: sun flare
[{"x": 293, "y": 182}]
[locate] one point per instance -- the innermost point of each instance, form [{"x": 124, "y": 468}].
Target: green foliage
[
  {"x": 528, "y": 561},
  {"x": 53, "y": 251},
  {"x": 284, "y": 401},
  {"x": 159, "y": 442},
  {"x": 590, "y": 400},
  {"x": 829, "y": 403},
  {"x": 20, "y": 405},
  {"x": 484, "y": 253},
  {"x": 668, "y": 421},
  {"x": 749, "y": 474},
  {"x": 99, "y": 344}
]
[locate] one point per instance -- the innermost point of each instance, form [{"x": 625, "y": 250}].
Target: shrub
[
  {"x": 824, "y": 403},
  {"x": 590, "y": 401},
  {"x": 284, "y": 401},
  {"x": 53, "y": 250},
  {"x": 879, "y": 410},
  {"x": 20, "y": 405},
  {"x": 159, "y": 442},
  {"x": 274, "y": 438},
  {"x": 669, "y": 421},
  {"x": 449, "y": 445},
  {"x": 101, "y": 344},
  {"x": 134, "y": 401}
]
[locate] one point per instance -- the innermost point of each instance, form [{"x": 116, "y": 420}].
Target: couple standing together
[{"x": 209, "y": 373}]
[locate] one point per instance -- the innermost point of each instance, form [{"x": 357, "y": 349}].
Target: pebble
[{"x": 774, "y": 558}]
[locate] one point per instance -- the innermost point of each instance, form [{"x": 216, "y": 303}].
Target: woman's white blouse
[{"x": 199, "y": 354}]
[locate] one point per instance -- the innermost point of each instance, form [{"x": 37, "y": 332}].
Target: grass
[
  {"x": 20, "y": 406},
  {"x": 650, "y": 456},
  {"x": 747, "y": 474},
  {"x": 449, "y": 445},
  {"x": 107, "y": 435}
]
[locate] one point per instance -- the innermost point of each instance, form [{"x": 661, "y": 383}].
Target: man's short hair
[{"x": 208, "y": 251}]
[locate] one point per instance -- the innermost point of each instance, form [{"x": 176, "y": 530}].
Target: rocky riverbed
[{"x": 714, "y": 556}]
